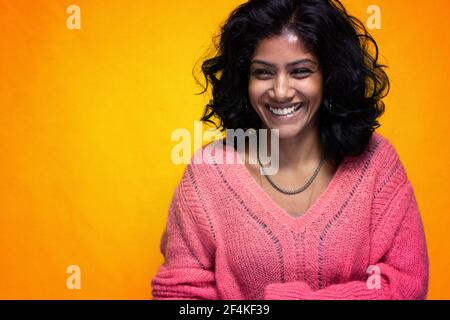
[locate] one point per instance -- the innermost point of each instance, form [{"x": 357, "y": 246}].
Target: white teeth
[{"x": 285, "y": 111}]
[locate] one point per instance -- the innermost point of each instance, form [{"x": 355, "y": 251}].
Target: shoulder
[
  {"x": 387, "y": 171},
  {"x": 386, "y": 149},
  {"x": 216, "y": 152},
  {"x": 379, "y": 153},
  {"x": 380, "y": 162},
  {"x": 209, "y": 164},
  {"x": 380, "y": 147},
  {"x": 386, "y": 160}
]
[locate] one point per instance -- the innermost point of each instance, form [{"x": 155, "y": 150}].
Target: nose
[{"x": 281, "y": 90}]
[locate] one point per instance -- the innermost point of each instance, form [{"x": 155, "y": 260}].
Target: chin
[{"x": 287, "y": 132}]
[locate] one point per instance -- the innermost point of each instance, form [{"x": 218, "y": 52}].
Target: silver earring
[
  {"x": 245, "y": 104},
  {"x": 329, "y": 104}
]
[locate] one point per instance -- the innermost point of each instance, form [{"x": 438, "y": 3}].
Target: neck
[{"x": 299, "y": 152}]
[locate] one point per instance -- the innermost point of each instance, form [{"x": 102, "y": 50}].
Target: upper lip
[{"x": 283, "y": 106}]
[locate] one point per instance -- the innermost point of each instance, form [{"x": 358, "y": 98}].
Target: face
[{"x": 285, "y": 86}]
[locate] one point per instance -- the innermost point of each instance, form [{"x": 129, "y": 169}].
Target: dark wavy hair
[{"x": 353, "y": 79}]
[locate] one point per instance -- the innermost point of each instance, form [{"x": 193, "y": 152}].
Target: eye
[
  {"x": 261, "y": 72},
  {"x": 302, "y": 71}
]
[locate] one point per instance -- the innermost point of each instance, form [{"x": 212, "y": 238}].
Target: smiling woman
[
  {"x": 286, "y": 96},
  {"x": 341, "y": 204}
]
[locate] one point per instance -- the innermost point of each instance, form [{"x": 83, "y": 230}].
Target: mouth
[{"x": 284, "y": 111}]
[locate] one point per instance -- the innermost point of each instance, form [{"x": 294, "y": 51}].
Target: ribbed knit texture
[{"x": 227, "y": 239}]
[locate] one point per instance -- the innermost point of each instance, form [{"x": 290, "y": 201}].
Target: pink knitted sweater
[{"x": 363, "y": 238}]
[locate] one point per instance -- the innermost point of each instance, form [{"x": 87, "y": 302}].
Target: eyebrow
[{"x": 289, "y": 64}]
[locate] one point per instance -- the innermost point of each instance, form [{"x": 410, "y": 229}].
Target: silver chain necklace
[{"x": 288, "y": 192}]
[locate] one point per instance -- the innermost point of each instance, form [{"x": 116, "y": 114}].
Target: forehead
[{"x": 283, "y": 48}]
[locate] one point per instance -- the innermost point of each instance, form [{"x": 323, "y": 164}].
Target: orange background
[{"x": 85, "y": 123}]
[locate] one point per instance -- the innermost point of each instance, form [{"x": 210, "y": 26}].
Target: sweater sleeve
[
  {"x": 403, "y": 268},
  {"x": 187, "y": 245}
]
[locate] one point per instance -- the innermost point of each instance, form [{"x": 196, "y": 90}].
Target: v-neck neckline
[{"x": 249, "y": 182}]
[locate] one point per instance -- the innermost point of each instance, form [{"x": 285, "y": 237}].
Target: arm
[
  {"x": 188, "y": 249},
  {"x": 404, "y": 267}
]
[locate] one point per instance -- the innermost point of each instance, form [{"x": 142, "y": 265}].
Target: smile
[{"x": 285, "y": 111}]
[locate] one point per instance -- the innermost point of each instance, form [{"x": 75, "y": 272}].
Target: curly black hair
[{"x": 353, "y": 79}]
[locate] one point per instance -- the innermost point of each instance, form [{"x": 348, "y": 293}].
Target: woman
[{"x": 339, "y": 219}]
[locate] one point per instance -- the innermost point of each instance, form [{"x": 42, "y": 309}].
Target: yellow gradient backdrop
[{"x": 86, "y": 117}]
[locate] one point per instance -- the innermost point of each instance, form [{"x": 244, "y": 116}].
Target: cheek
[
  {"x": 255, "y": 90},
  {"x": 312, "y": 89}
]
